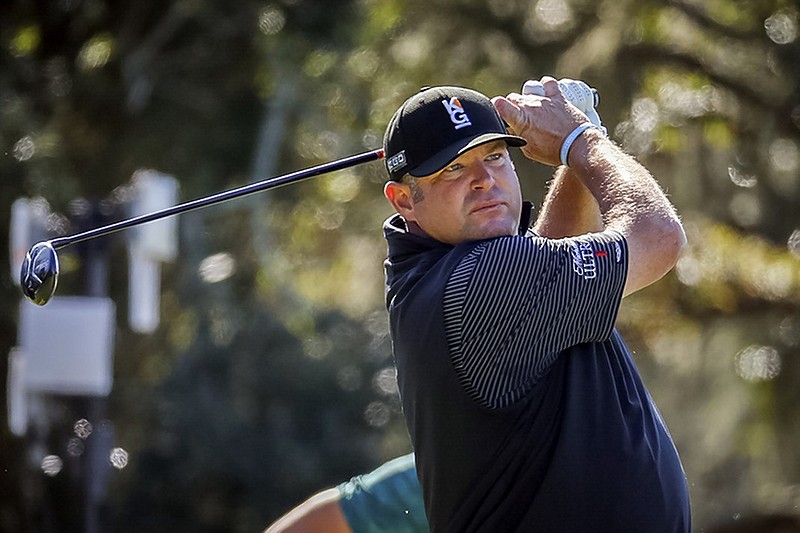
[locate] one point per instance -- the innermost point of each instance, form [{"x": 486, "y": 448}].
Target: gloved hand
[{"x": 578, "y": 93}]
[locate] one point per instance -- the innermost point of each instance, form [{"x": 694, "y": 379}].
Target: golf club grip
[{"x": 263, "y": 185}]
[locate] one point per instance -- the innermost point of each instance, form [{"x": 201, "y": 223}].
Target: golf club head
[{"x": 39, "y": 274}]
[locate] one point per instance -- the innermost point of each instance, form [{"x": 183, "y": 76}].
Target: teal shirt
[{"x": 387, "y": 500}]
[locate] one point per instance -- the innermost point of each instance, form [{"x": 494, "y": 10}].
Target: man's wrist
[
  {"x": 574, "y": 135},
  {"x": 579, "y": 147}
]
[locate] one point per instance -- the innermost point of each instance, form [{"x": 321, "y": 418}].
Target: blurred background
[{"x": 258, "y": 369}]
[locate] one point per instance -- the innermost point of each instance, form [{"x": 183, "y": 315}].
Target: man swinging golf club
[{"x": 522, "y": 401}]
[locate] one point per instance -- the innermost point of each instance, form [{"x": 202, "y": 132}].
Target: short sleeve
[
  {"x": 514, "y": 303},
  {"x": 387, "y": 499}
]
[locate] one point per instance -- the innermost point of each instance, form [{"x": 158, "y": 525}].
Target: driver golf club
[{"x": 39, "y": 272}]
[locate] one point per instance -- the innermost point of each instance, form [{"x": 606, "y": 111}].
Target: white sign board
[
  {"x": 68, "y": 345},
  {"x": 150, "y": 244},
  {"x": 153, "y": 192},
  {"x": 15, "y": 393},
  {"x": 144, "y": 293}
]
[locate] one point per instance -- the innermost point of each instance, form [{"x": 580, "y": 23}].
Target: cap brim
[{"x": 442, "y": 158}]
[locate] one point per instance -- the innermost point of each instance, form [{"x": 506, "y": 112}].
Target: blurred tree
[{"x": 100, "y": 90}]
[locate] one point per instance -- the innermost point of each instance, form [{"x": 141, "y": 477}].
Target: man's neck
[{"x": 413, "y": 228}]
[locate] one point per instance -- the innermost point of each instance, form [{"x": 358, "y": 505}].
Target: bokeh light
[
  {"x": 794, "y": 243},
  {"x": 26, "y": 41},
  {"x": 385, "y": 381},
  {"x": 689, "y": 270},
  {"x": 96, "y": 52},
  {"x": 349, "y": 378},
  {"x": 75, "y": 447},
  {"x": 317, "y": 346},
  {"x": 82, "y": 428},
  {"x": 271, "y": 20},
  {"x": 784, "y": 155},
  {"x": 118, "y": 458},
  {"x": 740, "y": 179},
  {"x": 547, "y": 19},
  {"x": 377, "y": 414},
  {"x": 758, "y": 363},
  {"x": 217, "y": 267},
  {"x": 24, "y": 149},
  {"x": 342, "y": 187},
  {"x": 745, "y": 208},
  {"x": 782, "y": 27},
  {"x": 51, "y": 465},
  {"x": 329, "y": 216}
]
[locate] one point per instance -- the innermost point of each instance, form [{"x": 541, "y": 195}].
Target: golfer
[{"x": 524, "y": 406}]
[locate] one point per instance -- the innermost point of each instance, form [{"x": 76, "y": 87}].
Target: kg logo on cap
[{"x": 457, "y": 114}]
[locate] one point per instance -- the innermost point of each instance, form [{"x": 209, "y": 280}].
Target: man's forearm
[
  {"x": 631, "y": 202},
  {"x": 318, "y": 514},
  {"x": 569, "y": 209},
  {"x": 629, "y": 199}
]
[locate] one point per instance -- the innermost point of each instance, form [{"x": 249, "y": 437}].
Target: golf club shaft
[{"x": 263, "y": 185}]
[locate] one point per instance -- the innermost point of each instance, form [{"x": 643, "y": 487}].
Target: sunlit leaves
[
  {"x": 96, "y": 52},
  {"x": 363, "y": 63},
  {"x": 727, "y": 271},
  {"x": 341, "y": 187},
  {"x": 25, "y": 41},
  {"x": 718, "y": 134},
  {"x": 320, "y": 62},
  {"x": 739, "y": 14},
  {"x": 382, "y": 16}
]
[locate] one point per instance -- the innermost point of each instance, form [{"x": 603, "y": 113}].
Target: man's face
[{"x": 477, "y": 196}]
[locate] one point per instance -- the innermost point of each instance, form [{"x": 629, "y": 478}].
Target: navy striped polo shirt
[{"x": 524, "y": 406}]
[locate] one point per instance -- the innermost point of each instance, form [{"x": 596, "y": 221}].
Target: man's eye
[{"x": 494, "y": 157}]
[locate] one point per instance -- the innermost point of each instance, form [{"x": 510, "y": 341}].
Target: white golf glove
[{"x": 578, "y": 93}]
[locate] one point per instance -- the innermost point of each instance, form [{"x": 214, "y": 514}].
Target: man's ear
[{"x": 399, "y": 195}]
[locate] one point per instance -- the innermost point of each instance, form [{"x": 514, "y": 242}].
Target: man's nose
[{"x": 482, "y": 177}]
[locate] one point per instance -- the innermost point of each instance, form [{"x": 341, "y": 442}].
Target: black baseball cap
[{"x": 438, "y": 124}]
